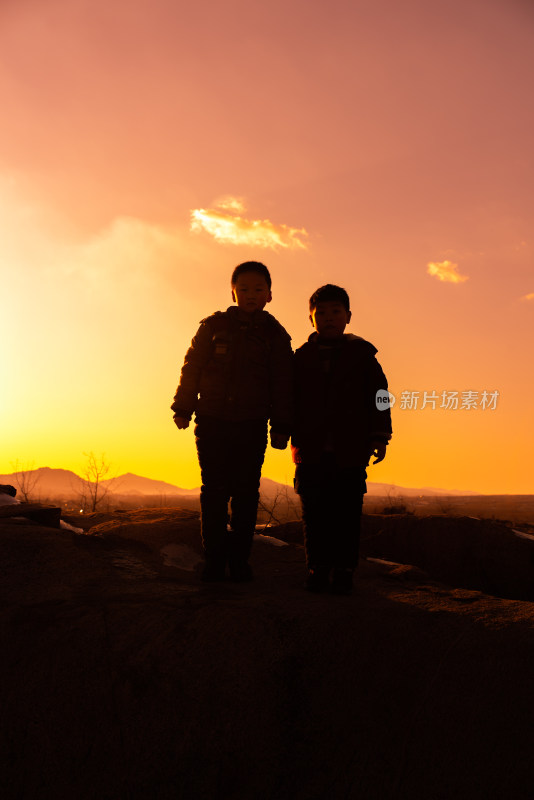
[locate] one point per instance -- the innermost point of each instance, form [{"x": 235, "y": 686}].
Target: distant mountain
[
  {"x": 407, "y": 491},
  {"x": 62, "y": 483},
  {"x": 49, "y": 482},
  {"x": 56, "y": 483},
  {"x": 271, "y": 488},
  {"x": 136, "y": 484}
]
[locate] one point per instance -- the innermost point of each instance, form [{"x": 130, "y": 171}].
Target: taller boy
[{"x": 237, "y": 375}]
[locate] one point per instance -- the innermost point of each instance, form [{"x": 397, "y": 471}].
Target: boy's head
[
  {"x": 330, "y": 311},
  {"x": 251, "y": 286}
]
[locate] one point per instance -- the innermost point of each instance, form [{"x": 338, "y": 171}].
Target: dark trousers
[
  {"x": 331, "y": 498},
  {"x": 230, "y": 455}
]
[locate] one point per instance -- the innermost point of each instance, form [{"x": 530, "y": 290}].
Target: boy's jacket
[
  {"x": 239, "y": 367},
  {"x": 337, "y": 410}
]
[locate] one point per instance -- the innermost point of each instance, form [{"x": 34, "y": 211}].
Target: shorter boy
[
  {"x": 337, "y": 428},
  {"x": 237, "y": 375}
]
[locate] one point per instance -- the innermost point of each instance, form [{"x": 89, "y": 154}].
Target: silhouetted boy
[
  {"x": 237, "y": 375},
  {"x": 337, "y": 428}
]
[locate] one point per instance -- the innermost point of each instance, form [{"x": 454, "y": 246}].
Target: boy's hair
[
  {"x": 330, "y": 293},
  {"x": 251, "y": 266}
]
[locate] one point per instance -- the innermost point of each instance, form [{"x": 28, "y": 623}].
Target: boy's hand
[
  {"x": 181, "y": 422},
  {"x": 279, "y": 440},
  {"x": 378, "y": 449}
]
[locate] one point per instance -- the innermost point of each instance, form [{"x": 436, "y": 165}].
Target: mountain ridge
[{"x": 53, "y": 480}]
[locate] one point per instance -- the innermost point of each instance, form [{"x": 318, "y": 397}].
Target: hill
[
  {"x": 60, "y": 482},
  {"x": 49, "y": 482},
  {"x": 136, "y": 484},
  {"x": 279, "y": 503},
  {"x": 127, "y": 678}
]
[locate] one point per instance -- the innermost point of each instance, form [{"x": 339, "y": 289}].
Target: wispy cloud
[
  {"x": 445, "y": 271},
  {"x": 225, "y": 224},
  {"x": 528, "y": 296},
  {"x": 126, "y": 253},
  {"x": 231, "y": 203}
]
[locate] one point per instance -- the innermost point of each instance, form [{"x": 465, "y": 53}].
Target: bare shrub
[
  {"x": 444, "y": 505},
  {"x": 395, "y": 504},
  {"x": 26, "y": 478},
  {"x": 92, "y": 491},
  {"x": 278, "y": 509}
]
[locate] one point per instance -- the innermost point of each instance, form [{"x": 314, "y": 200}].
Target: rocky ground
[{"x": 122, "y": 676}]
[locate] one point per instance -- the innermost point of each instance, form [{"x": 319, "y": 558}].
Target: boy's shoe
[
  {"x": 213, "y": 571},
  {"x": 341, "y": 582},
  {"x": 240, "y": 571},
  {"x": 317, "y": 580}
]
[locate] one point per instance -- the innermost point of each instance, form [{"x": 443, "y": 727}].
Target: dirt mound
[
  {"x": 461, "y": 551},
  {"x": 124, "y": 677}
]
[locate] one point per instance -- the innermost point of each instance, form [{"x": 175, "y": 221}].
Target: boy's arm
[
  {"x": 380, "y": 418},
  {"x": 281, "y": 390},
  {"x": 185, "y": 399}
]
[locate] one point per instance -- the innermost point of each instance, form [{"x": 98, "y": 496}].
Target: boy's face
[
  {"x": 251, "y": 292},
  {"x": 330, "y": 319}
]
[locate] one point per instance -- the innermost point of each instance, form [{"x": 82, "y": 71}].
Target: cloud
[
  {"x": 528, "y": 296},
  {"x": 134, "y": 259},
  {"x": 127, "y": 258},
  {"x": 230, "y": 203},
  {"x": 127, "y": 249},
  {"x": 231, "y": 228},
  {"x": 445, "y": 271}
]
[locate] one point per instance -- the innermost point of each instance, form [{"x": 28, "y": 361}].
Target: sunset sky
[{"x": 149, "y": 146}]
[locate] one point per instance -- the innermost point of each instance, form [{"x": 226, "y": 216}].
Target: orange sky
[{"x": 149, "y": 146}]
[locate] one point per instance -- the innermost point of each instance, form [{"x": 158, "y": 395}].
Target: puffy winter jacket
[
  {"x": 239, "y": 366},
  {"x": 336, "y": 408}
]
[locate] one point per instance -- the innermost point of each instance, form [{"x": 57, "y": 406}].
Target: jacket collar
[
  {"x": 257, "y": 317},
  {"x": 347, "y": 339}
]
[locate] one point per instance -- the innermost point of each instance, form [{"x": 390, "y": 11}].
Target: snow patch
[
  {"x": 7, "y": 500},
  {"x": 383, "y": 561},
  {"x": 260, "y": 537},
  {"x": 523, "y": 535},
  {"x": 68, "y": 527}
]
